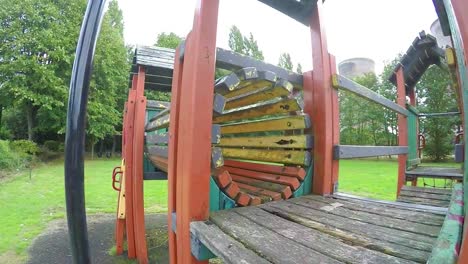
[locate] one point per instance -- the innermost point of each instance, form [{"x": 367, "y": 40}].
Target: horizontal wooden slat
[
  {"x": 277, "y": 124},
  {"x": 292, "y": 141},
  {"x": 160, "y": 114},
  {"x": 275, "y": 187},
  {"x": 157, "y": 175},
  {"x": 163, "y": 138},
  {"x": 427, "y": 190},
  {"x": 282, "y": 107},
  {"x": 297, "y": 172},
  {"x": 351, "y": 151},
  {"x": 341, "y": 82},
  {"x": 265, "y": 79},
  {"x": 272, "y": 155},
  {"x": 274, "y": 196},
  {"x": 160, "y": 151},
  {"x": 161, "y": 122},
  {"x": 285, "y": 180},
  {"x": 157, "y": 104},
  {"x": 217, "y": 159},
  {"x": 235, "y": 79},
  {"x": 222, "y": 245},
  {"x": 282, "y": 88}
]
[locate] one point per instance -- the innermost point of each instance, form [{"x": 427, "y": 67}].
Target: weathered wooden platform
[
  {"x": 426, "y": 196},
  {"x": 435, "y": 172},
  {"x": 315, "y": 229}
]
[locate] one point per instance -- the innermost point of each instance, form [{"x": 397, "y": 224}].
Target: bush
[
  {"x": 8, "y": 159},
  {"x": 24, "y": 147},
  {"x": 52, "y": 145}
]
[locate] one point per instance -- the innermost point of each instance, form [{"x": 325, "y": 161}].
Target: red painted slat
[
  {"x": 298, "y": 172},
  {"x": 290, "y": 181}
]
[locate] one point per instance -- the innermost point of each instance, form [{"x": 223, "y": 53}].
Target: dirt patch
[
  {"x": 52, "y": 246},
  {"x": 10, "y": 257}
]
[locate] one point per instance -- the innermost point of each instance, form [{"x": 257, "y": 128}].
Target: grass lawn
[
  {"x": 376, "y": 178},
  {"x": 26, "y": 206}
]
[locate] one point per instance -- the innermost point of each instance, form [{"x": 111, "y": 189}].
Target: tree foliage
[
  {"x": 246, "y": 45},
  {"x": 168, "y": 40},
  {"x": 285, "y": 61}
]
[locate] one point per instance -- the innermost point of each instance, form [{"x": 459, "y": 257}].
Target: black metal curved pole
[{"x": 75, "y": 137}]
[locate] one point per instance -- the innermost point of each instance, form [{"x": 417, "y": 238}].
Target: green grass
[
  {"x": 375, "y": 178},
  {"x": 26, "y": 206}
]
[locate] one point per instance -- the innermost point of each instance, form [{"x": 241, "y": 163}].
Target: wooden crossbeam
[
  {"x": 276, "y": 124},
  {"x": 285, "y": 190},
  {"x": 341, "y": 82},
  {"x": 282, "y": 88},
  {"x": 272, "y": 155},
  {"x": 285, "y": 141},
  {"x": 351, "y": 151},
  {"x": 285, "y": 180},
  {"x": 297, "y": 172},
  {"x": 159, "y": 123},
  {"x": 281, "y": 107},
  {"x": 163, "y": 138}
]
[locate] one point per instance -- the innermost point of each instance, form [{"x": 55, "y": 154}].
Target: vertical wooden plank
[
  {"x": 413, "y": 134},
  {"x": 128, "y": 157},
  {"x": 195, "y": 115},
  {"x": 120, "y": 223},
  {"x": 318, "y": 97},
  {"x": 336, "y": 125},
  {"x": 172, "y": 159},
  {"x": 138, "y": 149},
  {"x": 402, "y": 128},
  {"x": 458, "y": 18}
]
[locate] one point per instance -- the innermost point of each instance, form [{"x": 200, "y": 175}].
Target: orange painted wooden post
[
  {"x": 318, "y": 103},
  {"x": 194, "y": 126},
  {"x": 138, "y": 150},
  {"x": 402, "y": 128},
  {"x": 128, "y": 144},
  {"x": 172, "y": 160},
  {"x": 461, "y": 16}
]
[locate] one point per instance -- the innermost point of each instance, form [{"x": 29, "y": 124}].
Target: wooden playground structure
[{"x": 252, "y": 158}]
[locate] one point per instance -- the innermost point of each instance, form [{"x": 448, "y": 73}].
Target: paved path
[{"x": 52, "y": 246}]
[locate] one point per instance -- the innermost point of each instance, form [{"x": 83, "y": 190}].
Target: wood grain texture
[
  {"x": 285, "y": 106},
  {"x": 275, "y": 187},
  {"x": 224, "y": 246},
  {"x": 297, "y": 171},
  {"x": 273, "y": 155},
  {"x": 275, "y": 124},
  {"x": 284, "y": 180},
  {"x": 286, "y": 141}
]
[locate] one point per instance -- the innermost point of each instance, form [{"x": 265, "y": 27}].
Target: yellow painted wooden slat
[
  {"x": 252, "y": 86},
  {"x": 282, "y": 88},
  {"x": 293, "y": 141},
  {"x": 122, "y": 206},
  {"x": 162, "y": 122},
  {"x": 271, "y": 155},
  {"x": 277, "y": 124},
  {"x": 281, "y": 107}
]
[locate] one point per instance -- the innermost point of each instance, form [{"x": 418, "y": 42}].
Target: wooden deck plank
[
  {"x": 430, "y": 196},
  {"x": 355, "y": 233},
  {"x": 427, "y": 190},
  {"x": 412, "y": 216},
  {"x": 416, "y": 200},
  {"x": 316, "y": 240},
  {"x": 336, "y": 208},
  {"x": 223, "y": 245},
  {"x": 268, "y": 244},
  {"x": 378, "y": 233}
]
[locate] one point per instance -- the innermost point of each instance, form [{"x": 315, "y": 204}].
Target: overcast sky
[{"x": 376, "y": 29}]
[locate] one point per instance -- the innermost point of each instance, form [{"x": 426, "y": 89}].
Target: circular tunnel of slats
[{"x": 261, "y": 144}]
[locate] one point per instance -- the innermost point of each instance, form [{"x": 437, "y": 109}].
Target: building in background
[
  {"x": 355, "y": 67},
  {"x": 442, "y": 40}
]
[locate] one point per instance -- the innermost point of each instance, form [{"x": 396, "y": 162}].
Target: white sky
[{"x": 376, "y": 29}]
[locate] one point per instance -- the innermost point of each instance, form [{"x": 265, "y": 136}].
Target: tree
[
  {"x": 243, "y": 44},
  {"x": 109, "y": 83},
  {"x": 37, "y": 44},
  {"x": 299, "y": 68},
  {"x": 285, "y": 61},
  {"x": 168, "y": 40},
  {"x": 437, "y": 96}
]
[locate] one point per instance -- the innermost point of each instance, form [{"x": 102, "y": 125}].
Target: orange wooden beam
[
  {"x": 138, "y": 150},
  {"x": 273, "y": 169},
  {"x": 194, "y": 126},
  {"x": 285, "y": 180},
  {"x": 402, "y": 128},
  {"x": 318, "y": 103}
]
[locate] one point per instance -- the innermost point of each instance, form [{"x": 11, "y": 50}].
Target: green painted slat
[
  {"x": 412, "y": 135},
  {"x": 463, "y": 78},
  {"x": 218, "y": 200},
  {"x": 306, "y": 185},
  {"x": 445, "y": 248}
]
